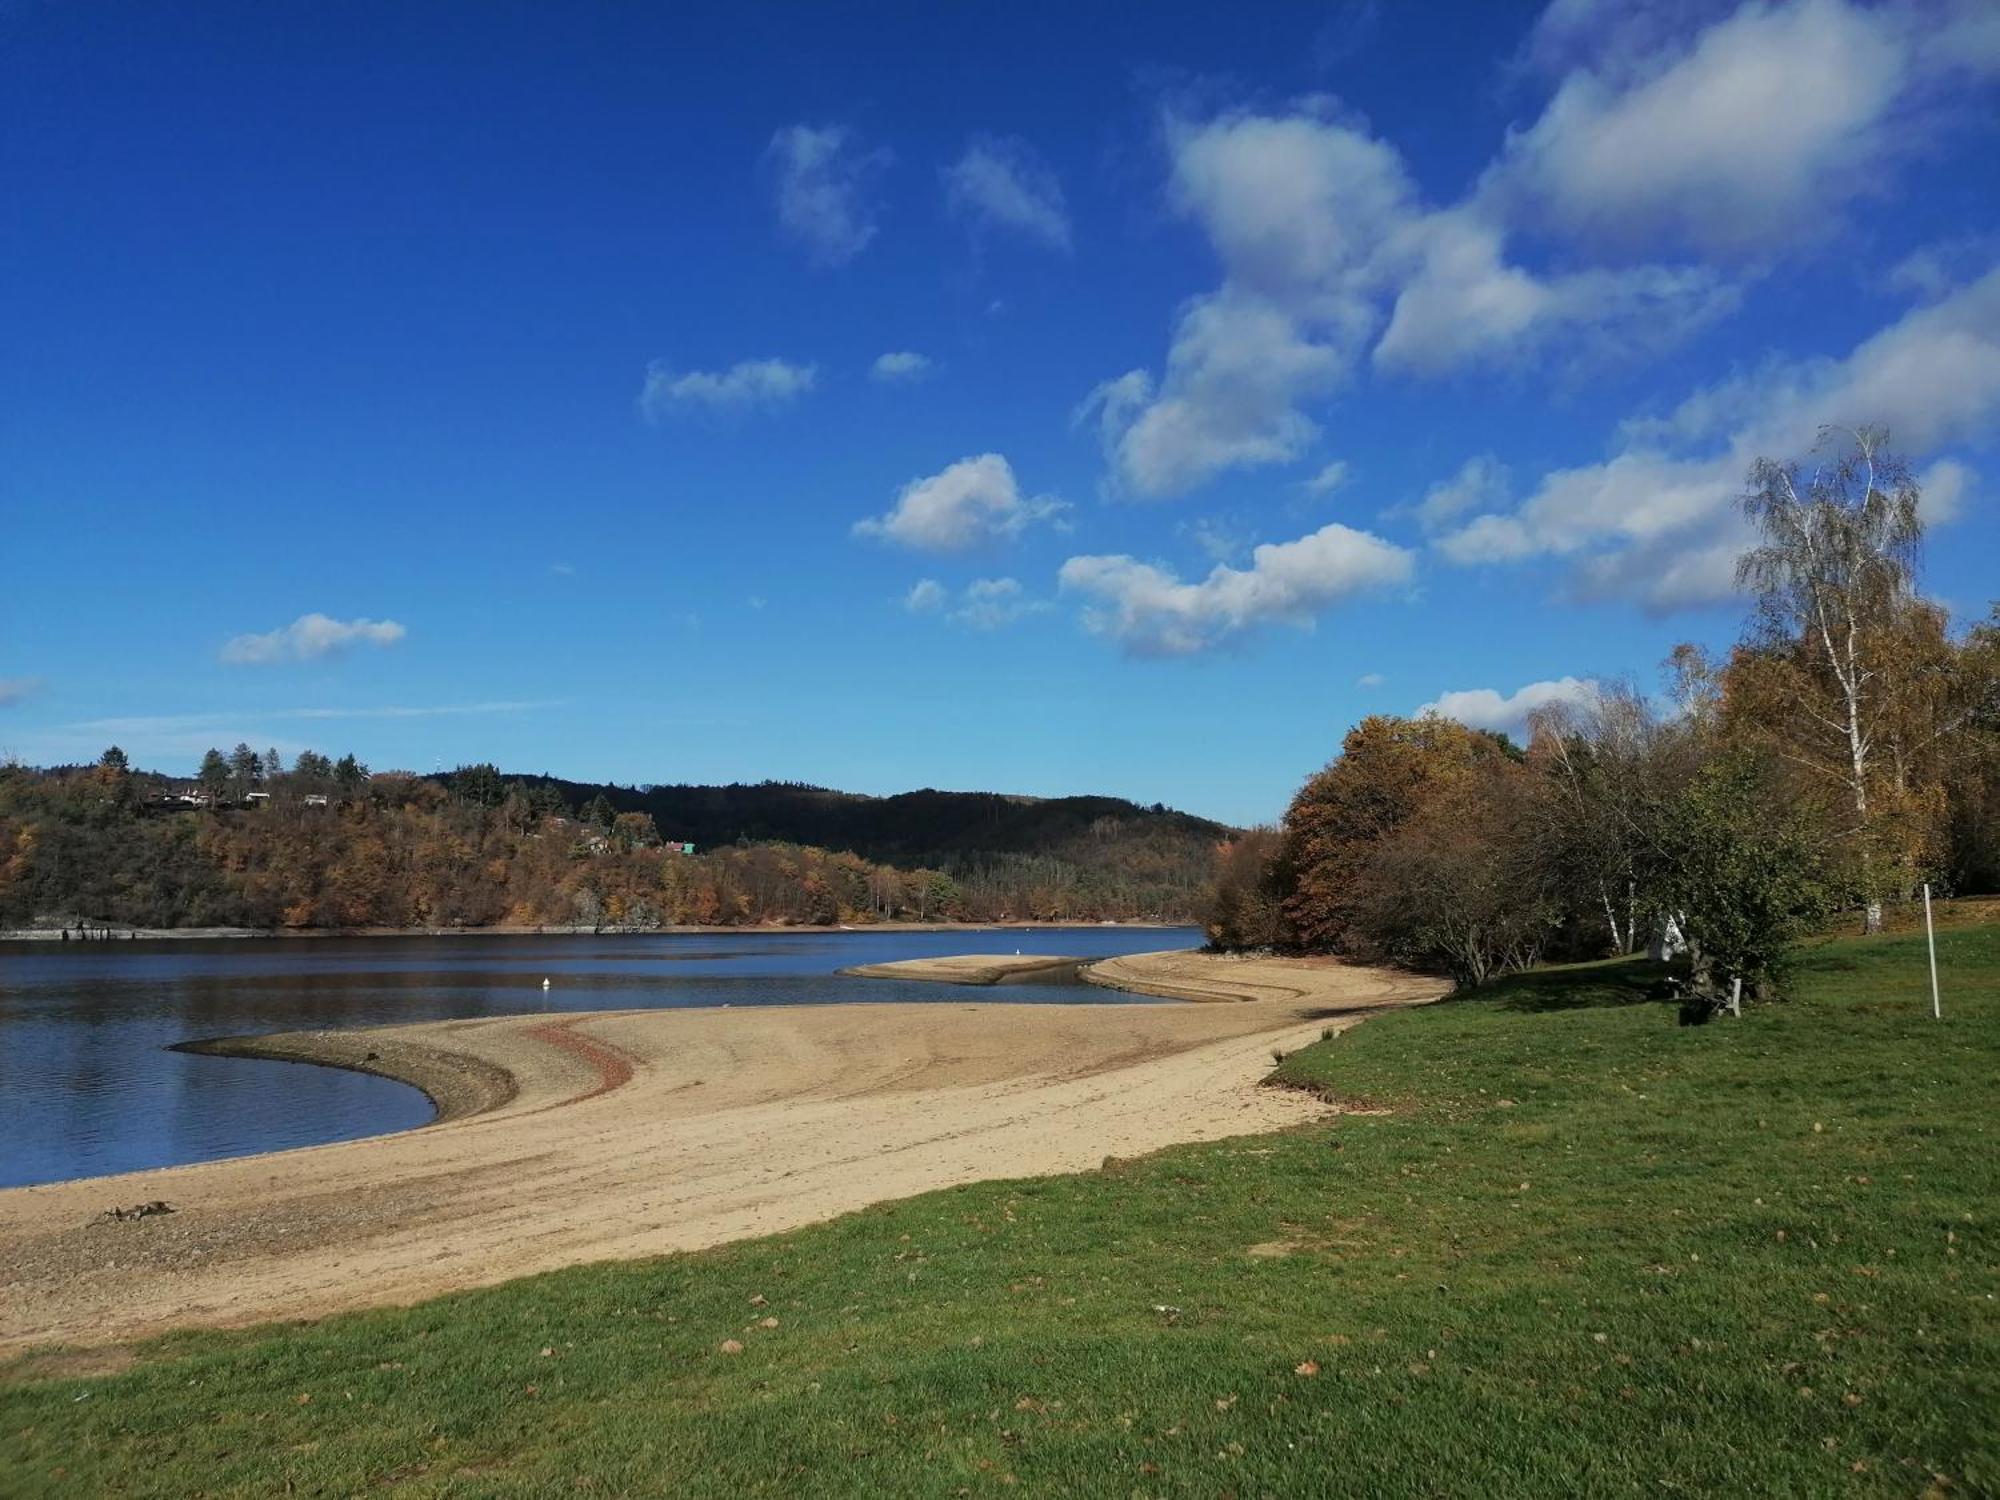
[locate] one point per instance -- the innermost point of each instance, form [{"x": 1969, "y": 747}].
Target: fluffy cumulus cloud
[
  {"x": 1484, "y": 708},
  {"x": 309, "y": 638},
  {"x": 1708, "y": 133},
  {"x": 1152, "y": 612},
  {"x": 748, "y": 385},
  {"x": 975, "y": 502},
  {"x": 1238, "y": 368},
  {"x": 1000, "y": 183},
  {"x": 1656, "y": 522},
  {"x": 1328, "y": 253},
  {"x": 901, "y": 367},
  {"x": 823, "y": 184},
  {"x": 1738, "y": 136}
]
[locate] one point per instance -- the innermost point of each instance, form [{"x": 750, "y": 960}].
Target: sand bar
[
  {"x": 973, "y": 968},
  {"x": 615, "y": 1134}
]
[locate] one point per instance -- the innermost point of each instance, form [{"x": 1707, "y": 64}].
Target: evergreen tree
[{"x": 214, "y": 777}]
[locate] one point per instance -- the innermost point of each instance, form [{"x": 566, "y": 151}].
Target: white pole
[
  {"x": 1930, "y": 937},
  {"x": 1736, "y": 997}
]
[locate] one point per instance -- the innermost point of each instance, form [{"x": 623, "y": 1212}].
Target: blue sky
[{"x": 508, "y": 382}]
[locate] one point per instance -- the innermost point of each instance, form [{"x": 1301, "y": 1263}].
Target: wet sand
[{"x": 609, "y": 1135}]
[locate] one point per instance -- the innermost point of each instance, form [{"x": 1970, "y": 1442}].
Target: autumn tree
[
  {"x": 1828, "y": 670},
  {"x": 1462, "y": 883},
  {"x": 1247, "y": 907},
  {"x": 1387, "y": 769}
]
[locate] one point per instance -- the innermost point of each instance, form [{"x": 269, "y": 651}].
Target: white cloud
[
  {"x": 745, "y": 386},
  {"x": 310, "y": 637},
  {"x": 972, "y": 503},
  {"x": 1002, "y": 183},
  {"x": 990, "y": 603},
  {"x": 1463, "y": 303},
  {"x": 14, "y": 689},
  {"x": 901, "y": 366},
  {"x": 1946, "y": 486},
  {"x": 1684, "y": 127},
  {"x": 985, "y": 604},
  {"x": 1370, "y": 680},
  {"x": 1936, "y": 269},
  {"x": 1657, "y": 521},
  {"x": 1484, "y": 708},
  {"x": 1329, "y": 479},
  {"x": 1153, "y": 613},
  {"x": 1323, "y": 237},
  {"x": 1221, "y": 538},
  {"x": 1480, "y": 484},
  {"x": 1746, "y": 135},
  {"x": 823, "y": 179},
  {"x": 1237, "y": 370}
]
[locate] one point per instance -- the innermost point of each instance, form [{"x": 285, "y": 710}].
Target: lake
[{"x": 87, "y": 1085}]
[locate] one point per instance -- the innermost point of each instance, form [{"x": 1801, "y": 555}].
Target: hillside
[
  {"x": 251, "y": 843},
  {"x": 1148, "y": 858}
]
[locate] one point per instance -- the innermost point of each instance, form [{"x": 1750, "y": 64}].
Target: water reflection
[{"x": 87, "y": 1087}]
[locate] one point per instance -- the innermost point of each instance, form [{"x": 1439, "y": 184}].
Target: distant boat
[{"x": 545, "y": 984}]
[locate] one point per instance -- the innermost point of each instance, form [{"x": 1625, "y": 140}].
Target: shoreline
[
  {"x": 113, "y": 934},
  {"x": 458, "y": 1085},
  {"x": 608, "y": 1135}
]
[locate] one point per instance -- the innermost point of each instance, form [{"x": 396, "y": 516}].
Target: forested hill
[
  {"x": 254, "y": 842},
  {"x": 911, "y": 829},
  {"x": 1107, "y": 856}
]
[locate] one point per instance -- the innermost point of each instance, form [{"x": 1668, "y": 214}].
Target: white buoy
[{"x": 545, "y": 984}]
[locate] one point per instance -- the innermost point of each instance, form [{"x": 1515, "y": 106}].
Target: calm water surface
[{"x": 88, "y": 1087}]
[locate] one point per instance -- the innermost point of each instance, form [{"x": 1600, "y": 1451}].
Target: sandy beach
[{"x": 609, "y": 1135}]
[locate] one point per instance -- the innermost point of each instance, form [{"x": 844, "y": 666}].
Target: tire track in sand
[{"x": 614, "y": 1068}]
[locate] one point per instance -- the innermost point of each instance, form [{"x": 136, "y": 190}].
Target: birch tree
[{"x": 1833, "y": 574}]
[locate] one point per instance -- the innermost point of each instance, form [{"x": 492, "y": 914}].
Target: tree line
[
  {"x": 325, "y": 843},
  {"x": 1844, "y": 752}
]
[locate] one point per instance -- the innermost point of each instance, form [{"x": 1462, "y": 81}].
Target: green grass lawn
[{"x": 1584, "y": 1252}]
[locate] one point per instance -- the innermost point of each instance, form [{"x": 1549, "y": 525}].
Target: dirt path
[{"x": 630, "y": 1133}]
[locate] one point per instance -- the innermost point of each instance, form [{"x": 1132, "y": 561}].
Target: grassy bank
[{"x": 1584, "y": 1251}]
